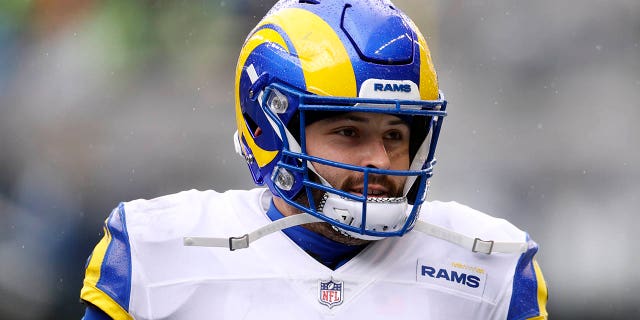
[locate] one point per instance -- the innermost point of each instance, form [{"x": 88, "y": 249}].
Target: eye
[
  {"x": 394, "y": 135},
  {"x": 347, "y": 132}
]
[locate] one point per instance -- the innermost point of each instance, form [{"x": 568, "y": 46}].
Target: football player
[{"x": 338, "y": 113}]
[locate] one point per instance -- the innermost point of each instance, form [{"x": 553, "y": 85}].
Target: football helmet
[{"x": 306, "y": 58}]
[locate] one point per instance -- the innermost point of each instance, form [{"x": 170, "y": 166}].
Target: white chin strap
[
  {"x": 472, "y": 244},
  {"x": 383, "y": 214}
]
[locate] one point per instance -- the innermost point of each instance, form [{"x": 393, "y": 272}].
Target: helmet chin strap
[{"x": 383, "y": 214}]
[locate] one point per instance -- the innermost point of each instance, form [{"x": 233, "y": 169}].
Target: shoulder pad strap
[{"x": 242, "y": 242}]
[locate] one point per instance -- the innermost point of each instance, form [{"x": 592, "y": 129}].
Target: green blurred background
[{"x": 109, "y": 101}]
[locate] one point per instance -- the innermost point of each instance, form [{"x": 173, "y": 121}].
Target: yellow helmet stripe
[
  {"x": 262, "y": 36},
  {"x": 323, "y": 58},
  {"x": 428, "y": 79}
]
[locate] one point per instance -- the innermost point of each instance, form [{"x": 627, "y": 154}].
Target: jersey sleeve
[
  {"x": 107, "y": 280},
  {"x": 529, "y": 292}
]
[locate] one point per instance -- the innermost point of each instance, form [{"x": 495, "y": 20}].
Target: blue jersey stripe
[{"x": 524, "y": 297}]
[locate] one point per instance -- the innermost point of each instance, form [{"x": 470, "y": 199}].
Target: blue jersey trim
[
  {"x": 115, "y": 272},
  {"x": 524, "y": 296},
  {"x": 328, "y": 252}
]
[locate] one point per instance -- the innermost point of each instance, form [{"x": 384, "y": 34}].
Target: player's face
[{"x": 363, "y": 139}]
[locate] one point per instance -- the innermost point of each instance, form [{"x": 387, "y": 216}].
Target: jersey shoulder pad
[
  {"x": 167, "y": 217},
  {"x": 528, "y": 289}
]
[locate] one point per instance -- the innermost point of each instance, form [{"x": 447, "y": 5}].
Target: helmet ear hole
[
  {"x": 253, "y": 126},
  {"x": 294, "y": 127}
]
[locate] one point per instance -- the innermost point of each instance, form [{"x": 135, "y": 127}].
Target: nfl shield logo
[{"x": 330, "y": 293}]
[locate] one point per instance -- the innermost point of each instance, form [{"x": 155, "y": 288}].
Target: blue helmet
[{"x": 307, "y": 57}]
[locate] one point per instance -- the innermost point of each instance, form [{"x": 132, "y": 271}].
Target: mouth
[{"x": 373, "y": 191}]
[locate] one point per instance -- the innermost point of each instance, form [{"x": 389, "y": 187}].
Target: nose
[{"x": 374, "y": 154}]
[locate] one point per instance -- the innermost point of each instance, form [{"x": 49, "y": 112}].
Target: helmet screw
[
  {"x": 283, "y": 179},
  {"x": 277, "y": 102}
]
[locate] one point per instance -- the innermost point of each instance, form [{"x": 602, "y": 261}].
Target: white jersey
[{"x": 142, "y": 270}]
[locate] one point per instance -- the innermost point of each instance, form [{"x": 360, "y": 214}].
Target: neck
[
  {"x": 326, "y": 251},
  {"x": 322, "y": 228}
]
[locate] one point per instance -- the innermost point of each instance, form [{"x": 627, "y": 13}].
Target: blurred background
[{"x": 109, "y": 101}]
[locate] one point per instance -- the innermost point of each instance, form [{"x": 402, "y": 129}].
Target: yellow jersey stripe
[
  {"x": 103, "y": 301},
  {"x": 92, "y": 273},
  {"x": 542, "y": 290}
]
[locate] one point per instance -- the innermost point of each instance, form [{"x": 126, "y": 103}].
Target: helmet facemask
[{"x": 296, "y": 180}]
